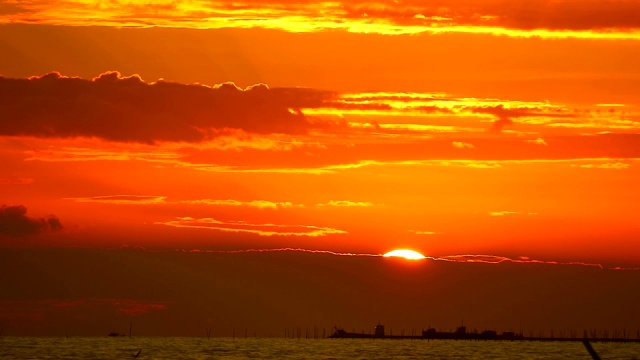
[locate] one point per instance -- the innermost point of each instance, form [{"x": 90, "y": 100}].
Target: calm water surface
[{"x": 269, "y": 348}]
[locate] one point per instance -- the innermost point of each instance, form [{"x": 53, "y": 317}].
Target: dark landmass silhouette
[{"x": 461, "y": 333}]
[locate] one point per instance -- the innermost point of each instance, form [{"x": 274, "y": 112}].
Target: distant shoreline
[{"x": 462, "y": 334}]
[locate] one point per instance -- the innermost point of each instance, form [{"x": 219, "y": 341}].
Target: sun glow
[{"x": 407, "y": 254}]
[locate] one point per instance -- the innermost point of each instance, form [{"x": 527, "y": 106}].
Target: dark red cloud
[
  {"x": 120, "y": 108},
  {"x": 134, "y": 307},
  {"x": 505, "y": 116},
  {"x": 14, "y": 222},
  {"x": 15, "y": 181}
]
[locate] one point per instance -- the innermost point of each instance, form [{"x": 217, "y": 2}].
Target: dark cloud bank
[
  {"x": 120, "y": 108},
  {"x": 14, "y": 222}
]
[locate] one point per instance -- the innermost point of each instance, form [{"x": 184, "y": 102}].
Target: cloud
[
  {"x": 509, "y": 213},
  {"x": 162, "y": 200},
  {"x": 443, "y": 105},
  {"x": 543, "y": 18},
  {"x": 462, "y": 145},
  {"x": 128, "y": 109},
  {"x": 260, "y": 204},
  {"x": 538, "y": 141},
  {"x": 421, "y": 232},
  {"x": 483, "y": 165},
  {"x": 122, "y": 199},
  {"x": 347, "y": 203},
  {"x": 496, "y": 259},
  {"x": 15, "y": 181},
  {"x": 224, "y": 117},
  {"x": 357, "y": 151},
  {"x": 245, "y": 227},
  {"x": 611, "y": 166},
  {"x": 15, "y": 222}
]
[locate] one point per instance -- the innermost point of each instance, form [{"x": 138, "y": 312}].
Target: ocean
[{"x": 275, "y": 348}]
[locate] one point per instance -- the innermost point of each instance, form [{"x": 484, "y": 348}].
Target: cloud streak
[
  {"x": 503, "y": 112},
  {"x": 347, "y": 203},
  {"x": 249, "y": 228},
  {"x": 510, "y": 213},
  {"x": 463, "y": 258},
  {"x": 122, "y": 199},
  {"x": 494, "y": 259},
  {"x": 162, "y": 200},
  {"x": 260, "y": 204},
  {"x": 607, "y": 166},
  {"x": 423, "y": 232},
  {"x": 462, "y": 145}
]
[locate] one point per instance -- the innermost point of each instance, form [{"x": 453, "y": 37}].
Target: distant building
[{"x": 378, "y": 331}]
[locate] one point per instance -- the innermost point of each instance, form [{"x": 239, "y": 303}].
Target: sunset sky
[{"x": 186, "y": 164}]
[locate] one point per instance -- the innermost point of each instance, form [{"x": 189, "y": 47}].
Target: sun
[{"x": 407, "y": 254}]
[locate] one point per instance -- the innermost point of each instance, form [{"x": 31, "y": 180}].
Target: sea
[{"x": 274, "y": 348}]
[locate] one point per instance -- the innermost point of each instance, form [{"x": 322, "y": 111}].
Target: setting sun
[{"x": 407, "y": 254}]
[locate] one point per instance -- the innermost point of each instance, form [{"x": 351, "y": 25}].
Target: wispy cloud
[
  {"x": 74, "y": 154},
  {"x": 162, "y": 200},
  {"x": 122, "y": 199},
  {"x": 257, "y": 229},
  {"x": 347, "y": 203},
  {"x": 609, "y": 166},
  {"x": 345, "y": 152},
  {"x": 260, "y": 204},
  {"x": 422, "y": 232},
  {"x": 503, "y": 112},
  {"x": 538, "y": 141},
  {"x": 495, "y": 259},
  {"x": 462, "y": 145},
  {"x": 510, "y": 213}
]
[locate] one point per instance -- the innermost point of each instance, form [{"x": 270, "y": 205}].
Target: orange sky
[{"x": 499, "y": 128}]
